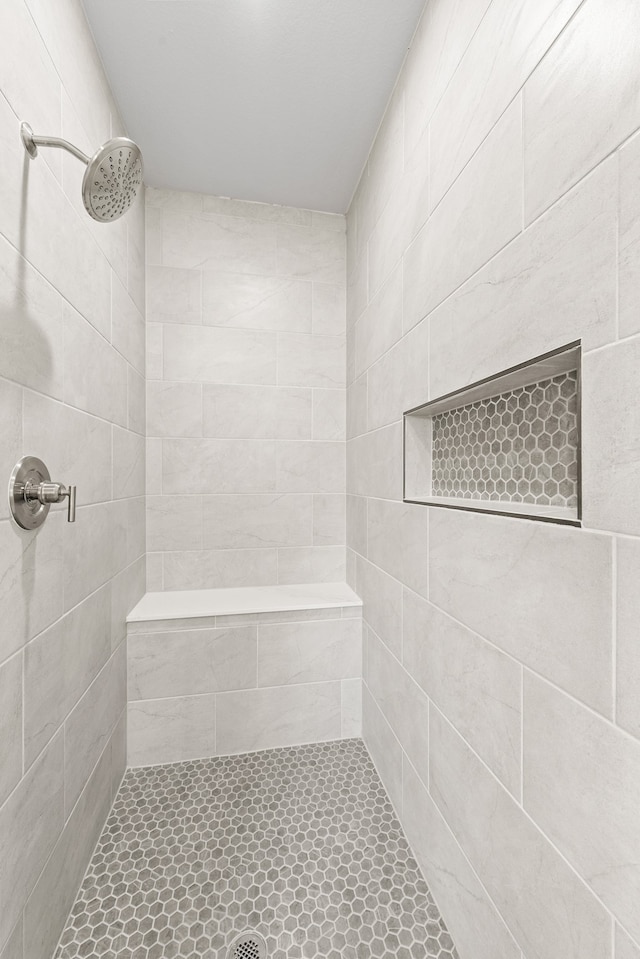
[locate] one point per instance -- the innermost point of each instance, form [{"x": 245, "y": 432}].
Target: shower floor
[{"x": 300, "y": 844}]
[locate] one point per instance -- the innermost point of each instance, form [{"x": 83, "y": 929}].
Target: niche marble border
[{"x": 509, "y": 444}]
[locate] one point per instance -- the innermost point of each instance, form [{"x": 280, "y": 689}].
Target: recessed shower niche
[{"x": 507, "y": 444}]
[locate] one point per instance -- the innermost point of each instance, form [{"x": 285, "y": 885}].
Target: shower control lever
[
  {"x": 47, "y": 493},
  {"x": 31, "y": 493}
]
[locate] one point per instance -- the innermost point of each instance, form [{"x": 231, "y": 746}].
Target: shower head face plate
[{"x": 112, "y": 180}]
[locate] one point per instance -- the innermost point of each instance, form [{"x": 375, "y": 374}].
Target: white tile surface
[
  {"x": 529, "y": 881},
  {"x": 562, "y": 100},
  {"x": 317, "y": 652},
  {"x": 611, "y": 424},
  {"x": 495, "y": 575},
  {"x": 569, "y": 751},
  {"x": 278, "y": 716},
  {"x": 170, "y": 730}
]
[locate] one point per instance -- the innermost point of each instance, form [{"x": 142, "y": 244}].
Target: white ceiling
[{"x": 272, "y": 100}]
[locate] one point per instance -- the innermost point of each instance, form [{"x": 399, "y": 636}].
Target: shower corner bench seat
[{"x": 223, "y": 671}]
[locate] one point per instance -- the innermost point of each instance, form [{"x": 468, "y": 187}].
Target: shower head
[{"x": 112, "y": 178}]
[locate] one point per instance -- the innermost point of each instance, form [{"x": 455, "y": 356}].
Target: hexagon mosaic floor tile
[{"x": 299, "y": 844}]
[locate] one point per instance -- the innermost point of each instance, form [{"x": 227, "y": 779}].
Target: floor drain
[{"x": 250, "y": 945}]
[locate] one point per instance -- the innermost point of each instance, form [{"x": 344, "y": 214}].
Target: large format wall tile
[
  {"x": 170, "y": 730},
  {"x": 511, "y": 39},
  {"x": 611, "y": 428},
  {"x": 552, "y": 285},
  {"x": 562, "y": 99},
  {"x": 627, "y": 646},
  {"x": 282, "y": 716},
  {"x": 541, "y": 593},
  {"x": 246, "y": 388},
  {"x": 404, "y": 705},
  {"x": 629, "y": 239},
  {"x": 568, "y": 751},
  {"x": 474, "y": 921},
  {"x": 479, "y": 216},
  {"x": 30, "y": 823},
  {"x": 290, "y": 653},
  {"x": 513, "y": 218},
  {"x": 476, "y": 686},
  {"x": 544, "y": 903},
  {"x": 191, "y": 662},
  {"x": 11, "y": 711}
]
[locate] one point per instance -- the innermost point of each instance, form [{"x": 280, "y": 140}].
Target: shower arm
[{"x": 32, "y": 142}]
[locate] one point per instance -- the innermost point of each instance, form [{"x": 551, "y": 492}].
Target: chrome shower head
[{"x": 112, "y": 178}]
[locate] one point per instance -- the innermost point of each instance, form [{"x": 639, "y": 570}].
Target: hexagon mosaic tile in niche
[
  {"x": 299, "y": 844},
  {"x": 518, "y": 447}
]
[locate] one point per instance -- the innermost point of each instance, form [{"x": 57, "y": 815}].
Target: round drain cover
[{"x": 249, "y": 945}]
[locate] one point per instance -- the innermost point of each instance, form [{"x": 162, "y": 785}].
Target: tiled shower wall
[
  {"x": 245, "y": 393},
  {"x": 71, "y": 392},
  {"x": 498, "y": 218}
]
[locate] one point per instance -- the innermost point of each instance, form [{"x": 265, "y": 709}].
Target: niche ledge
[{"x": 508, "y": 444}]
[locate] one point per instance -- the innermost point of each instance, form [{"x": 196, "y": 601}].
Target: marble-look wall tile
[
  {"x": 191, "y": 662},
  {"x": 611, "y": 432},
  {"x": 256, "y": 412},
  {"x": 31, "y": 582},
  {"x": 554, "y": 284},
  {"x": 510, "y": 41},
  {"x": 13, "y": 949},
  {"x": 562, "y": 100},
  {"x": 317, "y": 467},
  {"x": 245, "y": 521},
  {"x": 480, "y": 214},
  {"x": 60, "y": 664},
  {"x": 213, "y": 568},
  {"x": 219, "y": 466},
  {"x": 472, "y": 683},
  {"x": 174, "y": 409},
  {"x": 10, "y": 724},
  {"x": 403, "y": 703},
  {"x": 397, "y": 541},
  {"x": 12, "y": 431},
  {"x": 282, "y": 716},
  {"x": 625, "y": 948},
  {"x": 443, "y": 35},
  {"x": 384, "y": 748},
  {"x": 173, "y": 295},
  {"x": 216, "y": 355},
  {"x": 256, "y": 302},
  {"x": 627, "y": 646},
  {"x": 473, "y": 920},
  {"x": 312, "y": 564},
  {"x": 382, "y": 604},
  {"x": 329, "y": 414},
  {"x": 568, "y": 751},
  {"x": 57, "y": 886},
  {"x": 30, "y": 822},
  {"x": 531, "y": 589},
  {"x": 529, "y": 881},
  {"x": 90, "y": 725},
  {"x": 351, "y": 708},
  {"x": 329, "y": 519},
  {"x": 216, "y": 242},
  {"x": 293, "y": 653},
  {"x": 316, "y": 361},
  {"x": 246, "y": 343},
  {"x": 629, "y": 238},
  {"x": 171, "y": 730}
]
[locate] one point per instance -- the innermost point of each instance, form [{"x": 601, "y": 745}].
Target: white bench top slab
[{"x": 196, "y": 603}]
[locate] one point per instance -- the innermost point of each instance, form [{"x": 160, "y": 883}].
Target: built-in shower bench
[{"x": 221, "y": 671}]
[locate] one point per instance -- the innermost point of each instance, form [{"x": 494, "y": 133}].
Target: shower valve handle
[
  {"x": 48, "y": 492},
  {"x": 32, "y": 491}
]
